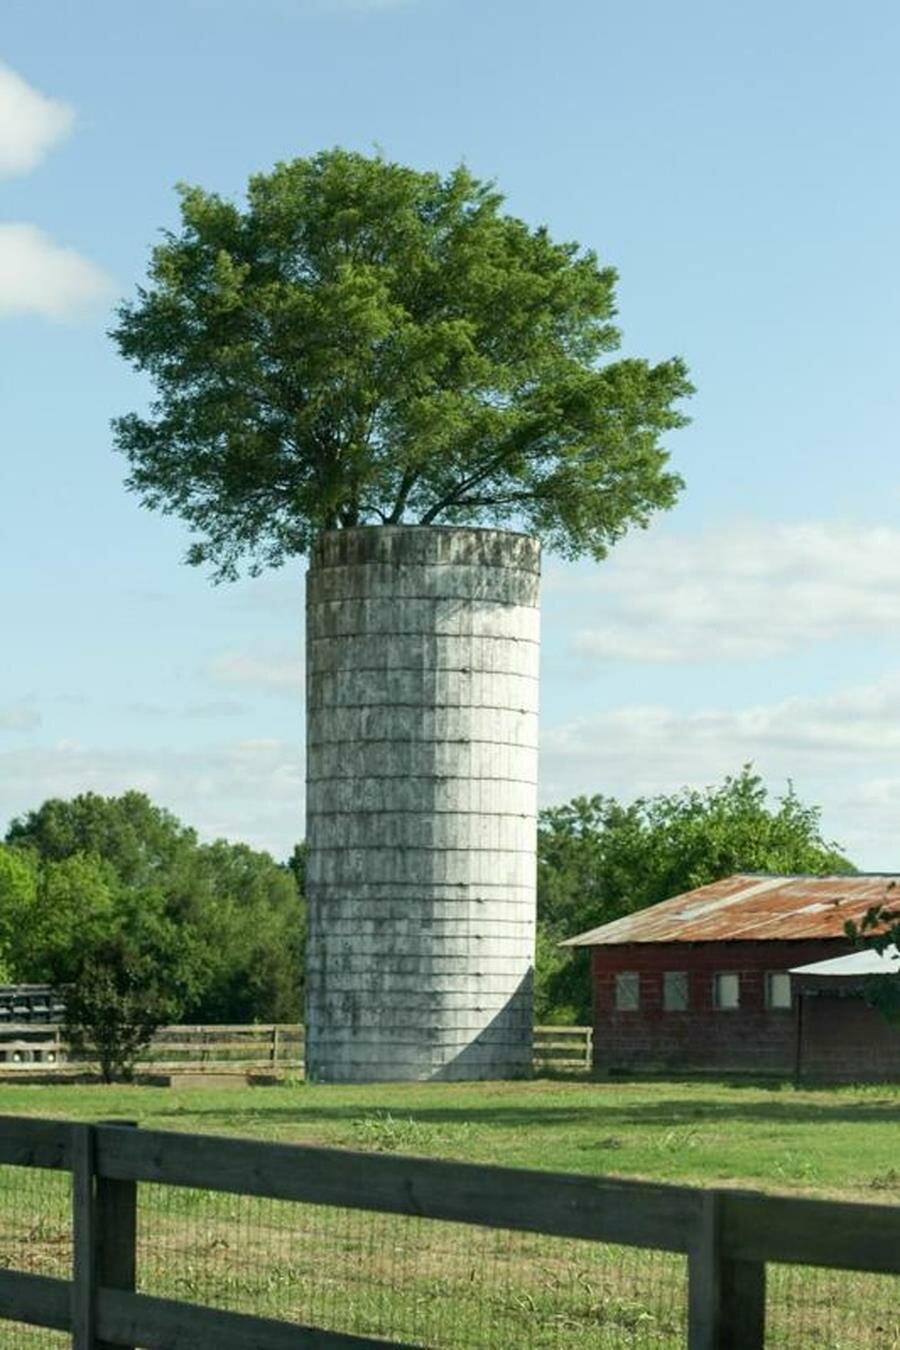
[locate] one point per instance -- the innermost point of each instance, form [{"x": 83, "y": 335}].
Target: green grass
[
  {"x": 449, "y": 1285},
  {"x": 839, "y": 1141}
]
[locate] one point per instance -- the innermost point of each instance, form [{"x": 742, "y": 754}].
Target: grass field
[
  {"x": 843, "y": 1142},
  {"x": 446, "y": 1285}
]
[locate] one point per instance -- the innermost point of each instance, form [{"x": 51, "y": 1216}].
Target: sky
[{"x": 736, "y": 164}]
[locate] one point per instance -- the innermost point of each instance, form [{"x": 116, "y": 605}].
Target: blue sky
[{"x": 736, "y": 164}]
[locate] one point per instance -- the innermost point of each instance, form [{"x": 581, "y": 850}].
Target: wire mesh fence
[
  {"x": 35, "y": 1237},
  {"x": 423, "y": 1281},
  {"x": 831, "y": 1309},
  {"x": 17, "y": 1336}
]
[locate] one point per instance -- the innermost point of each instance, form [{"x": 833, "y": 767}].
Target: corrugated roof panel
[
  {"x": 747, "y": 907},
  {"x": 856, "y": 964}
]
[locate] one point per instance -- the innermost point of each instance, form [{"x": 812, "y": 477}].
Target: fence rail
[
  {"x": 279, "y": 1045},
  {"x": 563, "y": 1049},
  {"x": 727, "y": 1236}
]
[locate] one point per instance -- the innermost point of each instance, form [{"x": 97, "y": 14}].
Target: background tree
[
  {"x": 367, "y": 343},
  {"x": 78, "y": 872},
  {"x": 73, "y": 901},
  {"x": 123, "y": 984},
  {"x": 140, "y": 840},
  {"x": 18, "y": 886},
  {"x": 599, "y": 860}
]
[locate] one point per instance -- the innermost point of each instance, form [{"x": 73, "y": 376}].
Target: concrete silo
[{"x": 422, "y": 698}]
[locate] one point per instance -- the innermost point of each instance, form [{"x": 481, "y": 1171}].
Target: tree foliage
[
  {"x": 599, "y": 860},
  {"x": 18, "y": 884},
  {"x": 78, "y": 875},
  {"x": 879, "y": 931},
  {"x": 365, "y": 343},
  {"x": 122, "y": 986},
  {"x": 141, "y": 841}
]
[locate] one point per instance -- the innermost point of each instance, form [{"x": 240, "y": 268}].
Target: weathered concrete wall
[{"x": 422, "y": 699}]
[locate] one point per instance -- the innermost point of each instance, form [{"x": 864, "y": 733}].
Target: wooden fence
[
  {"x": 258, "y": 1045},
  {"x": 727, "y": 1236},
  {"x": 274, "y": 1046},
  {"x": 563, "y": 1049}
]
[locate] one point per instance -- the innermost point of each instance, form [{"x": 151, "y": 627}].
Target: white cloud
[
  {"x": 279, "y": 674},
  {"x": 19, "y": 717},
  {"x": 211, "y": 708},
  {"x": 38, "y": 276},
  {"x": 30, "y": 123},
  {"x": 740, "y": 593},
  {"x": 841, "y": 750},
  {"x": 249, "y": 791}
]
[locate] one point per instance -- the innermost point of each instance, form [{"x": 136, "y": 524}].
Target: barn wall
[
  {"x": 422, "y": 700},
  {"x": 752, "y": 1038},
  {"x": 843, "y": 1039}
]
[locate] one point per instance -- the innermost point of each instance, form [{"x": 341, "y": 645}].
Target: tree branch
[
  {"x": 407, "y": 483},
  {"x": 505, "y": 500},
  {"x": 452, "y": 498}
]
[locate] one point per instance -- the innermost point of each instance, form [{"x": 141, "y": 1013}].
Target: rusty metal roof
[{"x": 749, "y": 907}]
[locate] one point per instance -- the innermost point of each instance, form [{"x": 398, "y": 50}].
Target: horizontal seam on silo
[
  {"x": 427, "y": 637},
  {"x": 415, "y": 563},
  {"x": 494, "y": 603},
  {"x": 421, "y": 740},
  {"x": 436, "y": 899},
  {"x": 422, "y": 848},
  {"x": 423, "y": 707},
  {"x": 417, "y": 777},
  {"x": 429, "y": 670},
  {"x": 419, "y": 811}
]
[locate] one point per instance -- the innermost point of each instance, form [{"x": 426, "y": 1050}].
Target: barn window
[
  {"x": 727, "y": 990},
  {"x": 628, "y": 991},
  {"x": 778, "y": 989},
  {"x": 675, "y": 990}
]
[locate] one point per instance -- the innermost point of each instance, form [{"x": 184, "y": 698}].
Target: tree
[
  {"x": 599, "y": 860},
  {"x": 366, "y": 343},
  {"x": 122, "y": 986},
  {"x": 879, "y": 931},
  {"x": 74, "y": 901},
  {"x": 252, "y": 924},
  {"x": 94, "y": 861},
  {"x": 18, "y": 888},
  {"x": 141, "y": 841}
]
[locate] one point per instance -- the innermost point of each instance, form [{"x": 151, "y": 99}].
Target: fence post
[
  {"x": 274, "y": 1054},
  {"x": 84, "y": 1230},
  {"x": 115, "y": 1262},
  {"x": 726, "y": 1298},
  {"x": 104, "y": 1228}
]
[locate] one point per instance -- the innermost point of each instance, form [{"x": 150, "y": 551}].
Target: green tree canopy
[
  {"x": 365, "y": 343},
  {"x": 18, "y": 889},
  {"x": 598, "y": 860},
  {"x": 79, "y": 875},
  {"x": 123, "y": 985},
  {"x": 141, "y": 841},
  {"x": 74, "y": 901}
]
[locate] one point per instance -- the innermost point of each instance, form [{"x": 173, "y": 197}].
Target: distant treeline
[
  {"x": 227, "y": 923},
  {"x": 106, "y": 874}
]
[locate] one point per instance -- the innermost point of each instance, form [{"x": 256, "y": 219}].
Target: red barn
[{"x": 702, "y": 982}]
